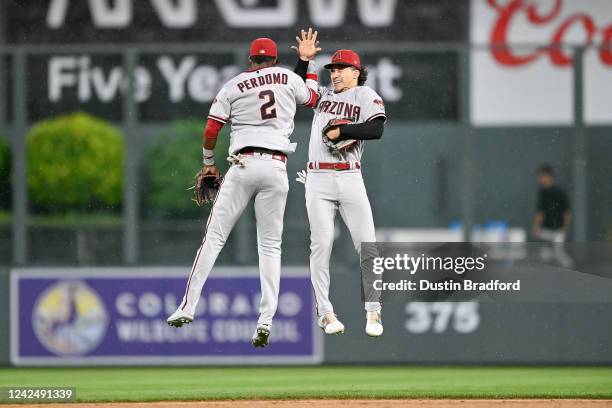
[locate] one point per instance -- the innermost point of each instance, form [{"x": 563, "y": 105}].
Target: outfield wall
[
  {"x": 471, "y": 331},
  {"x": 414, "y": 180},
  {"x": 109, "y": 316},
  {"x": 4, "y": 315}
]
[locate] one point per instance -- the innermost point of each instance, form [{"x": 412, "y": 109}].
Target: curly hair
[{"x": 363, "y": 76}]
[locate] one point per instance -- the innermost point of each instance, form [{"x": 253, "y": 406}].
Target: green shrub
[
  {"x": 75, "y": 163},
  {"x": 171, "y": 162},
  {"x": 5, "y": 175}
]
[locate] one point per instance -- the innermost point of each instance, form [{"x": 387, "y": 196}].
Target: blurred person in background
[{"x": 553, "y": 218}]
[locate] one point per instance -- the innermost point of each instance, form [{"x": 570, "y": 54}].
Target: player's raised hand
[{"x": 307, "y": 44}]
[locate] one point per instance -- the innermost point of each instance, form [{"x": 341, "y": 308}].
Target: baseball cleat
[
  {"x": 374, "y": 327},
  {"x": 330, "y": 324},
  {"x": 179, "y": 318},
  {"x": 262, "y": 333}
]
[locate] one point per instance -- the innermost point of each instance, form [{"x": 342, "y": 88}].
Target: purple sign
[{"x": 118, "y": 316}]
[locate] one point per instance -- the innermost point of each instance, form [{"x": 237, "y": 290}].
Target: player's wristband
[
  {"x": 208, "y": 157},
  {"x": 312, "y": 68}
]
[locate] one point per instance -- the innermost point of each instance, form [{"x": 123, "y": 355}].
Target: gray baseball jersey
[
  {"x": 261, "y": 106},
  {"x": 359, "y": 104}
]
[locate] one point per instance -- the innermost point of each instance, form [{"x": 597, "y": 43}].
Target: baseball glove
[
  {"x": 206, "y": 187},
  {"x": 339, "y": 146}
]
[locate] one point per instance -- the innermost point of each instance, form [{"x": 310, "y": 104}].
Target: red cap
[
  {"x": 345, "y": 57},
  {"x": 263, "y": 46}
]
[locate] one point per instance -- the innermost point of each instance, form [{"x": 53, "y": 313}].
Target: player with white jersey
[
  {"x": 260, "y": 104},
  {"x": 334, "y": 180}
]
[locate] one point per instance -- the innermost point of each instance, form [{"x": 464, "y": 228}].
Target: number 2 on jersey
[{"x": 267, "y": 109}]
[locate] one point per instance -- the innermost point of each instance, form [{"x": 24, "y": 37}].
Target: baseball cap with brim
[
  {"x": 345, "y": 58},
  {"x": 264, "y": 47}
]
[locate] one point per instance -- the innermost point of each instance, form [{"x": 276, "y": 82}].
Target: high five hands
[{"x": 307, "y": 44}]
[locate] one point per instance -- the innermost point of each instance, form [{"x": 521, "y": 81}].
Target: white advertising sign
[{"x": 522, "y": 61}]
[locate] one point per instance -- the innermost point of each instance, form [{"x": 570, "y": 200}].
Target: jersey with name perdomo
[
  {"x": 359, "y": 104},
  {"x": 261, "y": 105}
]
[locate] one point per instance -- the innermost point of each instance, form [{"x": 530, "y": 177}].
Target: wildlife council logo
[{"x": 69, "y": 318}]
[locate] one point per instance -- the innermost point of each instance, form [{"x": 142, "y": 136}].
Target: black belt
[{"x": 250, "y": 149}]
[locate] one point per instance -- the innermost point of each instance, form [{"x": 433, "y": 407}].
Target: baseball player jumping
[
  {"x": 344, "y": 118},
  {"x": 260, "y": 104}
]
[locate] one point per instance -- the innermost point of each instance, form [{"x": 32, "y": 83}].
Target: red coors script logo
[{"x": 503, "y": 53}]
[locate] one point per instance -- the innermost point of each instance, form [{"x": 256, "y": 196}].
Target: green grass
[{"x": 206, "y": 383}]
